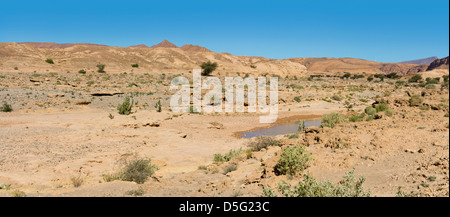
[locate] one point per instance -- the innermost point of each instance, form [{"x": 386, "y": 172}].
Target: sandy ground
[{"x": 62, "y": 130}]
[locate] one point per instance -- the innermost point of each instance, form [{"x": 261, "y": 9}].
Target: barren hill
[
  {"x": 167, "y": 57},
  {"x": 166, "y": 44},
  {"x": 360, "y": 66},
  {"x": 421, "y": 61},
  {"x": 159, "y": 60}
]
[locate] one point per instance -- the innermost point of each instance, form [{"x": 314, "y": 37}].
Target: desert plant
[
  {"x": 158, "y": 106},
  {"x": 370, "y": 110},
  {"x": 208, "y": 67},
  {"x": 230, "y": 168},
  {"x": 101, "y": 68},
  {"x": 370, "y": 78},
  {"x": 137, "y": 171},
  {"x": 219, "y": 158},
  {"x": 125, "y": 107},
  {"x": 49, "y": 61},
  {"x": 6, "y": 107},
  {"x": 293, "y": 160},
  {"x": 357, "y": 118},
  {"x": 82, "y": 71},
  {"x": 349, "y": 186},
  {"x": 415, "y": 100},
  {"x": 135, "y": 65},
  {"x": 336, "y": 98},
  {"x": 381, "y": 107},
  {"x": 415, "y": 79},
  {"x": 138, "y": 192},
  {"x": 332, "y": 119},
  {"x": 263, "y": 142},
  {"x": 18, "y": 193},
  {"x": 297, "y": 99},
  {"x": 76, "y": 181}
]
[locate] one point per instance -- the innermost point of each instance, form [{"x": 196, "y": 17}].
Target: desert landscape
[{"x": 345, "y": 127}]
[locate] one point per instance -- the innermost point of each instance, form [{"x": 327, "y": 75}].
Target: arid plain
[{"x": 386, "y": 122}]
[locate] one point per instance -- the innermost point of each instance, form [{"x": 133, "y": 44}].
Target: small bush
[
  {"x": 208, "y": 68},
  {"x": 263, "y": 142},
  {"x": 336, "y": 98},
  {"x": 138, "y": 192},
  {"x": 415, "y": 79},
  {"x": 101, "y": 68},
  {"x": 219, "y": 158},
  {"x": 18, "y": 193},
  {"x": 76, "y": 181},
  {"x": 82, "y": 71},
  {"x": 370, "y": 110},
  {"x": 158, "y": 106},
  {"x": 137, "y": 171},
  {"x": 49, "y": 61},
  {"x": 332, "y": 119},
  {"x": 415, "y": 100},
  {"x": 297, "y": 99},
  {"x": 381, "y": 107},
  {"x": 349, "y": 186},
  {"x": 293, "y": 160},
  {"x": 230, "y": 168},
  {"x": 135, "y": 65},
  {"x": 6, "y": 107},
  {"x": 357, "y": 118},
  {"x": 125, "y": 107}
]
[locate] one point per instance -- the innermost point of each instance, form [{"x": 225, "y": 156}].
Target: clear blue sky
[{"x": 383, "y": 30}]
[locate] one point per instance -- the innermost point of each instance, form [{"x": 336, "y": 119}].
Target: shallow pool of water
[{"x": 281, "y": 129}]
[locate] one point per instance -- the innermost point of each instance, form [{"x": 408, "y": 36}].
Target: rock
[
  {"x": 154, "y": 124},
  {"x": 81, "y": 102},
  {"x": 105, "y": 93},
  {"x": 56, "y": 95},
  {"x": 215, "y": 125},
  {"x": 421, "y": 151},
  {"x": 312, "y": 129}
]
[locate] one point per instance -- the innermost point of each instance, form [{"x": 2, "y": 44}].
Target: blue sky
[{"x": 385, "y": 31}]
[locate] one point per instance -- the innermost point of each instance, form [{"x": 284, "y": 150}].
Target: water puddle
[{"x": 281, "y": 129}]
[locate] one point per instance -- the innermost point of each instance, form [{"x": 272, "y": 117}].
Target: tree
[
  {"x": 208, "y": 67},
  {"x": 101, "y": 68}
]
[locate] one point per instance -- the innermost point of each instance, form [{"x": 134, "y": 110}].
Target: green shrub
[
  {"x": 49, "y": 61},
  {"x": 263, "y": 142},
  {"x": 349, "y": 186},
  {"x": 230, "y": 168},
  {"x": 6, "y": 107},
  {"x": 357, "y": 118},
  {"x": 101, "y": 68},
  {"x": 336, "y": 98},
  {"x": 293, "y": 160},
  {"x": 381, "y": 107},
  {"x": 82, "y": 71},
  {"x": 135, "y": 65},
  {"x": 137, "y": 171},
  {"x": 370, "y": 110},
  {"x": 415, "y": 79},
  {"x": 125, "y": 107},
  {"x": 158, "y": 106},
  {"x": 332, "y": 119},
  {"x": 370, "y": 78},
  {"x": 415, "y": 100},
  {"x": 219, "y": 158},
  {"x": 77, "y": 181},
  {"x": 208, "y": 67},
  {"x": 297, "y": 99}
]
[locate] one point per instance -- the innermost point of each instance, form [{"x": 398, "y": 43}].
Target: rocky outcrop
[{"x": 439, "y": 63}]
